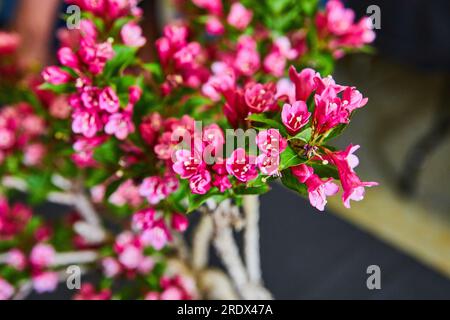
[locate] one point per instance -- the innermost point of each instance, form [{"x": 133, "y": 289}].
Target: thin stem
[{"x": 251, "y": 238}]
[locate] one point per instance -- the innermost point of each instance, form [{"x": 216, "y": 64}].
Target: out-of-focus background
[{"x": 403, "y": 226}]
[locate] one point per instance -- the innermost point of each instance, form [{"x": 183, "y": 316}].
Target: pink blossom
[
  {"x": 179, "y": 222},
  {"x": 295, "y": 116},
  {"x": 152, "y": 296},
  {"x": 239, "y": 17},
  {"x": 86, "y": 123},
  {"x": 143, "y": 219},
  {"x": 214, "y": 7},
  {"x": 131, "y": 34},
  {"x": 16, "y": 259},
  {"x": 187, "y": 163},
  {"x": 111, "y": 268},
  {"x": 222, "y": 182},
  {"x": 176, "y": 34},
  {"x": 157, "y": 236},
  {"x": 200, "y": 183},
  {"x": 119, "y": 125},
  {"x": 247, "y": 60},
  {"x": 151, "y": 188},
  {"x": 6, "y": 289},
  {"x": 172, "y": 293},
  {"x": 304, "y": 82},
  {"x": 241, "y": 165},
  {"x": 7, "y": 138},
  {"x": 88, "y": 292},
  {"x": 135, "y": 93},
  {"x": 214, "y": 26},
  {"x": 45, "y": 282},
  {"x": 33, "y": 154},
  {"x": 60, "y": 108},
  {"x": 131, "y": 257},
  {"x": 353, "y": 187},
  {"x": 275, "y": 64},
  {"x": 269, "y": 164},
  {"x": 149, "y": 127},
  {"x": 271, "y": 142},
  {"x": 9, "y": 42},
  {"x": 318, "y": 189},
  {"x": 68, "y": 58},
  {"x": 42, "y": 255},
  {"x": 126, "y": 193},
  {"x": 260, "y": 97},
  {"x": 108, "y": 100},
  {"x": 147, "y": 264},
  {"x": 56, "y": 76}
]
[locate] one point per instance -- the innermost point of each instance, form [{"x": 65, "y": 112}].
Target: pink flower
[
  {"x": 187, "y": 163},
  {"x": 271, "y": 142},
  {"x": 151, "y": 188},
  {"x": 269, "y": 164},
  {"x": 108, "y": 100},
  {"x": 304, "y": 82},
  {"x": 127, "y": 193},
  {"x": 56, "y": 76},
  {"x": 16, "y": 259},
  {"x": 147, "y": 264},
  {"x": 7, "y": 138},
  {"x": 119, "y": 125},
  {"x": 131, "y": 34},
  {"x": 241, "y": 165},
  {"x": 172, "y": 293},
  {"x": 275, "y": 64},
  {"x": 200, "y": 183},
  {"x": 6, "y": 289},
  {"x": 176, "y": 34},
  {"x": 214, "y": 7},
  {"x": 353, "y": 187},
  {"x": 157, "y": 236},
  {"x": 222, "y": 182},
  {"x": 318, "y": 189},
  {"x": 260, "y": 97},
  {"x": 33, "y": 154},
  {"x": 135, "y": 93},
  {"x": 131, "y": 257},
  {"x": 295, "y": 116},
  {"x": 88, "y": 292},
  {"x": 247, "y": 60},
  {"x": 143, "y": 219},
  {"x": 45, "y": 282},
  {"x": 86, "y": 123},
  {"x": 42, "y": 255},
  {"x": 214, "y": 140},
  {"x": 339, "y": 18},
  {"x": 214, "y": 26},
  {"x": 353, "y": 99},
  {"x": 111, "y": 268},
  {"x": 59, "y": 108},
  {"x": 180, "y": 222},
  {"x": 239, "y": 17},
  {"x": 9, "y": 42},
  {"x": 68, "y": 58}
]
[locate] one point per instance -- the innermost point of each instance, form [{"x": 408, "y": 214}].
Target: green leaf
[
  {"x": 325, "y": 171},
  {"x": 197, "y": 200},
  {"x": 335, "y": 132},
  {"x": 39, "y": 184},
  {"x": 124, "y": 57},
  {"x": 289, "y": 158},
  {"x": 304, "y": 135},
  {"x": 291, "y": 182},
  {"x": 60, "y": 89},
  {"x": 271, "y": 123},
  {"x": 155, "y": 69},
  {"x": 107, "y": 153},
  {"x": 244, "y": 190}
]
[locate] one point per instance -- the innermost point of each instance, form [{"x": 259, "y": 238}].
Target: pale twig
[
  {"x": 201, "y": 242},
  {"x": 251, "y": 238}
]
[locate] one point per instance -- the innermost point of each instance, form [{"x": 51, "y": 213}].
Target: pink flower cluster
[
  {"x": 88, "y": 292},
  {"x": 109, "y": 9},
  {"x": 20, "y": 129},
  {"x": 272, "y": 144},
  {"x": 42, "y": 256},
  {"x": 157, "y": 188},
  {"x": 174, "y": 288},
  {"x": 336, "y": 24},
  {"x": 182, "y": 61},
  {"x": 13, "y": 219}
]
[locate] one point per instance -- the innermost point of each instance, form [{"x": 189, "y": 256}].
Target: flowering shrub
[{"x": 237, "y": 98}]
